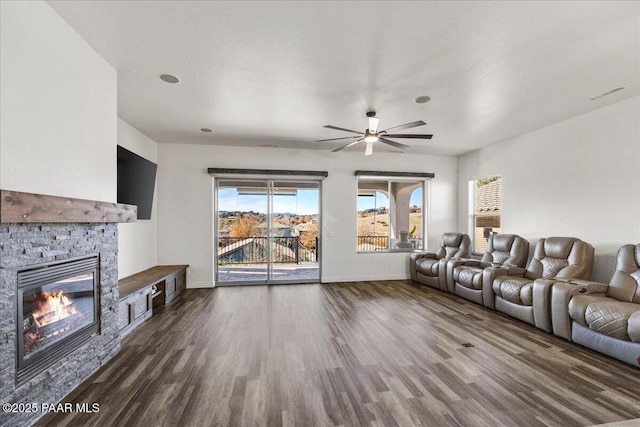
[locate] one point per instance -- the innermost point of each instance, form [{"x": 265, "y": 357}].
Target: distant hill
[{"x": 370, "y": 224}]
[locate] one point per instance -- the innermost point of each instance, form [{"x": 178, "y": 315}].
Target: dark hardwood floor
[{"x": 387, "y": 353}]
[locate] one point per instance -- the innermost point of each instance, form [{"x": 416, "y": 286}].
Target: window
[
  {"x": 390, "y": 214},
  {"x": 484, "y": 210}
]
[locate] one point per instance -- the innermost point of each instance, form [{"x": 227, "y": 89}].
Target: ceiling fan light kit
[{"x": 372, "y": 135}]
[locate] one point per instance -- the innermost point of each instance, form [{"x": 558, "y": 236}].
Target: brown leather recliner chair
[
  {"x": 511, "y": 290},
  {"x": 429, "y": 268},
  {"x": 464, "y": 276},
  {"x": 604, "y": 318}
]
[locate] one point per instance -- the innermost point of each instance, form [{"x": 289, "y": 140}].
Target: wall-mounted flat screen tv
[{"x": 136, "y": 181}]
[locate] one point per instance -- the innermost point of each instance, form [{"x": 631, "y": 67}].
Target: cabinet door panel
[
  {"x": 123, "y": 314},
  {"x": 181, "y": 283},
  {"x": 141, "y": 304},
  {"x": 171, "y": 285}
]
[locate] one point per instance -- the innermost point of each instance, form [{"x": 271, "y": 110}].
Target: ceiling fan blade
[
  {"x": 348, "y": 145},
  {"x": 369, "y": 149},
  {"x": 346, "y": 130},
  {"x": 408, "y": 135},
  {"x": 392, "y": 143},
  {"x": 373, "y": 124},
  {"x": 406, "y": 126},
  {"x": 337, "y": 139}
]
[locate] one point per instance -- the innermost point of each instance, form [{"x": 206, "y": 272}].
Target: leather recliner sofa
[
  {"x": 511, "y": 290},
  {"x": 465, "y": 276},
  {"x": 429, "y": 268},
  {"x": 604, "y": 318}
]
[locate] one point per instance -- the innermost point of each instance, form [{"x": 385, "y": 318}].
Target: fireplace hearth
[
  {"x": 58, "y": 311},
  {"x": 50, "y": 345},
  {"x": 57, "y": 329}
]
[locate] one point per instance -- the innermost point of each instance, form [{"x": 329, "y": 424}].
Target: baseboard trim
[
  {"x": 199, "y": 285},
  {"x": 365, "y": 278}
]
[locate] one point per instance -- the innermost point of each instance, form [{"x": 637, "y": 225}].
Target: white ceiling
[{"x": 275, "y": 72}]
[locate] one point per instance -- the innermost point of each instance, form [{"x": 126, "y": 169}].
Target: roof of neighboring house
[
  {"x": 488, "y": 197},
  {"x": 307, "y": 226},
  {"x": 274, "y": 224}
]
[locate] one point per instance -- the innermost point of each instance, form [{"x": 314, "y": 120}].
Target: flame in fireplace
[
  {"x": 56, "y": 314},
  {"x": 53, "y": 308},
  {"x": 59, "y": 310}
]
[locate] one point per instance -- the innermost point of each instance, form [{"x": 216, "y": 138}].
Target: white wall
[
  {"x": 58, "y": 107},
  {"x": 59, "y": 124},
  {"x": 185, "y": 205},
  {"x": 138, "y": 241},
  {"x": 579, "y": 177}
]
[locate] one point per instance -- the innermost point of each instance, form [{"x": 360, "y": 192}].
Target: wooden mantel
[{"x": 18, "y": 207}]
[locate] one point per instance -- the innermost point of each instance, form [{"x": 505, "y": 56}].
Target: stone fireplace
[
  {"x": 58, "y": 312},
  {"x": 58, "y": 300}
]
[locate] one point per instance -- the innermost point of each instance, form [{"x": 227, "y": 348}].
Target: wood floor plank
[{"x": 384, "y": 353}]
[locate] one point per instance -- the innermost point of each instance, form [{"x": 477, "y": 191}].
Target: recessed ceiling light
[
  {"x": 422, "y": 99},
  {"x": 169, "y": 78},
  {"x": 606, "y": 93},
  {"x": 206, "y": 130}
]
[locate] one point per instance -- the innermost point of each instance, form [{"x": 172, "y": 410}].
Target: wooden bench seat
[{"x": 141, "y": 292}]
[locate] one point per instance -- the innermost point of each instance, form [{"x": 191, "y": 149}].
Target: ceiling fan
[{"x": 372, "y": 134}]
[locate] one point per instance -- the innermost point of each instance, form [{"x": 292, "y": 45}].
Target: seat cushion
[
  {"x": 428, "y": 266},
  {"x": 468, "y": 276},
  {"x": 607, "y": 316},
  {"x": 515, "y": 289}
]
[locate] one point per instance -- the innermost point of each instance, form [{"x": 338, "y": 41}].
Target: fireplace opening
[{"x": 58, "y": 311}]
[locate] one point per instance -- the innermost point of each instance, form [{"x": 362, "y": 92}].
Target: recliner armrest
[
  {"x": 452, "y": 262},
  {"x": 513, "y": 270},
  {"x": 561, "y": 294},
  {"x": 542, "y": 303},
  {"x": 417, "y": 255},
  {"x": 488, "y": 276},
  {"x": 450, "y": 266},
  {"x": 591, "y": 286}
]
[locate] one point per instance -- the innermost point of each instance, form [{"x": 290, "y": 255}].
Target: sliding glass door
[
  {"x": 267, "y": 231},
  {"x": 242, "y": 243},
  {"x": 295, "y": 219}
]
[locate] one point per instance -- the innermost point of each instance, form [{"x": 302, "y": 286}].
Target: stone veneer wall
[{"x": 23, "y": 245}]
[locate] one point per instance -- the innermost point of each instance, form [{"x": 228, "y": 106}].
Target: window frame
[
  {"x": 473, "y": 216},
  {"x": 424, "y": 181}
]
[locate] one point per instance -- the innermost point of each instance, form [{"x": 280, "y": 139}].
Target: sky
[{"x": 305, "y": 203}]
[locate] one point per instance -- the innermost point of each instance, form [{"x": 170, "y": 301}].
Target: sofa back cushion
[
  {"x": 506, "y": 249},
  {"x": 562, "y": 257},
  {"x": 625, "y": 283},
  {"x": 454, "y": 245}
]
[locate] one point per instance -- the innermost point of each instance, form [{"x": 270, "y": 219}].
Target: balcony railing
[
  {"x": 381, "y": 243},
  {"x": 373, "y": 243},
  {"x": 254, "y": 250}
]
